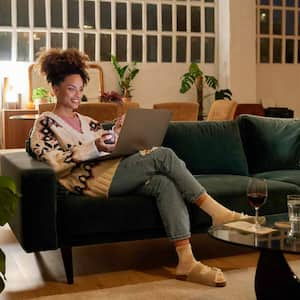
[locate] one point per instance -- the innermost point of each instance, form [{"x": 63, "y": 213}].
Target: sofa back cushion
[
  {"x": 270, "y": 143},
  {"x": 213, "y": 147}
]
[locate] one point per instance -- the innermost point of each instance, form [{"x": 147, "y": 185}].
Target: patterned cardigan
[{"x": 72, "y": 154}]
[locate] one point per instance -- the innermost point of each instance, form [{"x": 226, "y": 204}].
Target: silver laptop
[{"x": 142, "y": 129}]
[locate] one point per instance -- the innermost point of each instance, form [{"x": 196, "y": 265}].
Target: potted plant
[
  {"x": 196, "y": 76},
  {"x": 126, "y": 74},
  {"x": 111, "y": 97},
  {"x": 40, "y": 95},
  {"x": 8, "y": 201}
]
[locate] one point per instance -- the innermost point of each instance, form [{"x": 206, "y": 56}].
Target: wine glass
[{"x": 257, "y": 193}]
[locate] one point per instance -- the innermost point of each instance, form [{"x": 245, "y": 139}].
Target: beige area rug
[{"x": 240, "y": 286}]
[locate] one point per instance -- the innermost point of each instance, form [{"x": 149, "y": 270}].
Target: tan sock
[
  {"x": 186, "y": 259},
  {"x": 217, "y": 211}
]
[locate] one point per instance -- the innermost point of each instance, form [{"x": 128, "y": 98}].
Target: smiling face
[{"x": 69, "y": 92}]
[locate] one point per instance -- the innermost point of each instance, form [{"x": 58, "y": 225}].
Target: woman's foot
[{"x": 203, "y": 274}]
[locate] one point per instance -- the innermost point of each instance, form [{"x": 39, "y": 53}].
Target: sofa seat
[{"x": 290, "y": 176}]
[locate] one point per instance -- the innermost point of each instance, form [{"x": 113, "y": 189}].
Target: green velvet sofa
[{"x": 221, "y": 155}]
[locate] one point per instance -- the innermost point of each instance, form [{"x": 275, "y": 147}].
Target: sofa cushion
[
  {"x": 270, "y": 143},
  {"x": 290, "y": 176},
  {"x": 208, "y": 147}
]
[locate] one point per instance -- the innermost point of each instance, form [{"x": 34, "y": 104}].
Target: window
[
  {"x": 168, "y": 31},
  {"x": 278, "y": 31}
]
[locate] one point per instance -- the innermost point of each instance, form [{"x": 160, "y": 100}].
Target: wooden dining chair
[
  {"x": 222, "y": 110},
  {"x": 181, "y": 111}
]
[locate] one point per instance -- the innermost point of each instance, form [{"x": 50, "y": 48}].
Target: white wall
[
  {"x": 242, "y": 57},
  {"x": 278, "y": 85}
]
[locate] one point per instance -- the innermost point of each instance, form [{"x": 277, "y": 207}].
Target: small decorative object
[
  {"x": 84, "y": 98},
  {"x": 111, "y": 97},
  {"x": 126, "y": 74},
  {"x": 40, "y": 95},
  {"x": 195, "y": 76},
  {"x": 8, "y": 202}
]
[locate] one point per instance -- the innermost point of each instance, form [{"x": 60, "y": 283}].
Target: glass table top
[{"x": 275, "y": 240}]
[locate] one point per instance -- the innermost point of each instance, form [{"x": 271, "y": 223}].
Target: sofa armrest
[{"x": 34, "y": 223}]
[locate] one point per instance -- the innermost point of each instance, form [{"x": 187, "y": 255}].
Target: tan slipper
[
  {"x": 231, "y": 216},
  {"x": 203, "y": 274}
]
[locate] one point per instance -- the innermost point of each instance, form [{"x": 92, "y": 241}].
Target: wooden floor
[{"x": 102, "y": 266}]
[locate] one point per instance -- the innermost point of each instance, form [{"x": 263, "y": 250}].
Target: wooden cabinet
[{"x": 15, "y": 131}]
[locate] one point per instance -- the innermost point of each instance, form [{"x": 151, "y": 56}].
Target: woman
[{"x": 69, "y": 142}]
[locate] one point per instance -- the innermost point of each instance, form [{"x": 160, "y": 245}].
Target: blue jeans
[{"x": 163, "y": 175}]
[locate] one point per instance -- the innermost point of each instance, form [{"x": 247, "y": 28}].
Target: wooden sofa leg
[{"x": 66, "y": 253}]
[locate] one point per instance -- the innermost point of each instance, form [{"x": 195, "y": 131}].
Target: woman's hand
[
  {"x": 107, "y": 141},
  {"x": 118, "y": 124}
]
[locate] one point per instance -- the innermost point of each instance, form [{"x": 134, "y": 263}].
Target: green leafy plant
[
  {"x": 195, "y": 76},
  {"x": 8, "y": 202},
  {"x": 126, "y": 75},
  {"x": 40, "y": 93}
]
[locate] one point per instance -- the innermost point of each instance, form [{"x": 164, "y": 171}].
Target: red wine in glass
[
  {"x": 257, "y": 193},
  {"x": 257, "y": 199}
]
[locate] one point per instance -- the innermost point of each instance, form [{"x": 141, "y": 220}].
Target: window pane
[
  {"x": 137, "y": 48},
  {"x": 151, "y": 48},
  {"x": 290, "y": 3},
  {"x": 5, "y": 46},
  {"x": 180, "y": 49},
  {"x": 195, "y": 49},
  {"x": 121, "y": 16},
  {"x": 89, "y": 14},
  {"x": 195, "y": 19},
  {"x": 277, "y": 2},
  {"x": 151, "y": 17},
  {"x": 264, "y": 50},
  {"x": 89, "y": 45},
  {"x": 289, "y": 51},
  {"x": 56, "y": 14},
  {"x": 181, "y": 18},
  {"x": 105, "y": 15},
  {"x": 209, "y": 19},
  {"x": 121, "y": 47},
  {"x": 73, "y": 14},
  {"x": 277, "y": 50},
  {"x": 136, "y": 16},
  {"x": 277, "y": 22},
  {"x": 56, "y": 40},
  {"x": 5, "y": 13},
  {"x": 23, "y": 46},
  {"x": 290, "y": 22},
  {"x": 264, "y": 2},
  {"x": 166, "y": 17},
  {"x": 264, "y": 21},
  {"x": 39, "y": 43},
  {"x": 166, "y": 49},
  {"x": 73, "y": 40},
  {"x": 298, "y": 51},
  {"x": 39, "y": 13},
  {"x": 105, "y": 47},
  {"x": 209, "y": 50},
  {"x": 22, "y": 13}
]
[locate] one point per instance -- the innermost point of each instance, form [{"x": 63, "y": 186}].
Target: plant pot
[{"x": 126, "y": 99}]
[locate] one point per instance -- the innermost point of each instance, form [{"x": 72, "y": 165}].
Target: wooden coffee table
[{"x": 274, "y": 279}]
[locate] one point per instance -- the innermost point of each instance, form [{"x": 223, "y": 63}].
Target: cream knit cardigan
[{"x": 73, "y": 155}]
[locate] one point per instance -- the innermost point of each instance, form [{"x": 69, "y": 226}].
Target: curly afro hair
[{"x": 57, "y": 64}]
